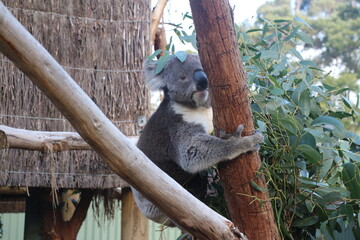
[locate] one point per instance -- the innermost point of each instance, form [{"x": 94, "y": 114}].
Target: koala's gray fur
[{"x": 176, "y": 137}]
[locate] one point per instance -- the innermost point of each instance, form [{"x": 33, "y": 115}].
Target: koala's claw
[{"x": 239, "y": 130}]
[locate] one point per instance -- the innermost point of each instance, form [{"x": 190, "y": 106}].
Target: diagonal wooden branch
[
  {"x": 40, "y": 140},
  {"x": 98, "y": 131}
]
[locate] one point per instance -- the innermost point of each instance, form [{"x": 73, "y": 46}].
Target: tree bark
[
  {"x": 44, "y": 140},
  {"x": 249, "y": 208},
  {"x": 98, "y": 131}
]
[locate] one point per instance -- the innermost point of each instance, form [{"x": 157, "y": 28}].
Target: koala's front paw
[
  {"x": 236, "y": 134},
  {"x": 253, "y": 141}
]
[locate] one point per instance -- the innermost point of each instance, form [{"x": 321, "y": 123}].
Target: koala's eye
[{"x": 182, "y": 77}]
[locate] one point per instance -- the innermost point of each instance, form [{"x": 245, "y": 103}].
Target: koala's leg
[{"x": 150, "y": 210}]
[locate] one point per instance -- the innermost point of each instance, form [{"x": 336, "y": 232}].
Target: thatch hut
[{"x": 102, "y": 45}]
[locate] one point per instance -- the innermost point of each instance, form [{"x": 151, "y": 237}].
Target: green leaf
[
  {"x": 309, "y": 153},
  {"x": 305, "y": 103},
  {"x": 157, "y": 52},
  {"x": 254, "y": 30},
  {"x": 308, "y": 139},
  {"x": 307, "y": 63},
  {"x": 339, "y": 91},
  {"x": 181, "y": 55},
  {"x": 292, "y": 33},
  {"x": 276, "y": 91},
  {"x": 269, "y": 54},
  {"x": 353, "y": 156},
  {"x": 331, "y": 124},
  {"x": 279, "y": 67},
  {"x": 350, "y": 176},
  {"x": 281, "y": 20},
  {"x": 346, "y": 102},
  {"x": 308, "y": 221},
  {"x": 347, "y": 209},
  {"x": 257, "y": 187},
  {"x": 354, "y": 137},
  {"x": 329, "y": 198},
  {"x": 162, "y": 62},
  {"x": 304, "y": 37},
  {"x": 286, "y": 121},
  {"x": 326, "y": 164},
  {"x": 296, "y": 54},
  {"x": 302, "y": 21}
]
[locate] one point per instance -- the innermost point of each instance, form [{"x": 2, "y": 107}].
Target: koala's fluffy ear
[{"x": 153, "y": 80}]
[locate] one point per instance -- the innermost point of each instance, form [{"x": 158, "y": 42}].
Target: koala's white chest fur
[{"x": 202, "y": 116}]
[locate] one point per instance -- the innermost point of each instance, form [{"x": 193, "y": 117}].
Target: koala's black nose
[{"x": 201, "y": 80}]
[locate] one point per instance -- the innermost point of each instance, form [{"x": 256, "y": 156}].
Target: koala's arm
[{"x": 199, "y": 151}]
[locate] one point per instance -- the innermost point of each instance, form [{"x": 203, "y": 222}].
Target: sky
[{"x": 175, "y": 9}]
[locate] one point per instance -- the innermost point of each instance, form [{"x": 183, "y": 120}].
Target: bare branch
[
  {"x": 156, "y": 16},
  {"x": 41, "y": 140}
]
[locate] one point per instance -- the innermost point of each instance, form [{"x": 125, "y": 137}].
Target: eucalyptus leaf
[
  {"x": 269, "y": 54},
  {"x": 329, "y": 198},
  {"x": 353, "y": 156},
  {"x": 331, "y": 124},
  {"x": 296, "y": 54},
  {"x": 308, "y": 221},
  {"x": 305, "y": 103},
  {"x": 181, "y": 55},
  {"x": 310, "y": 153},
  {"x": 304, "y": 37},
  {"x": 351, "y": 178},
  {"x": 257, "y": 187},
  {"x": 302, "y": 21},
  {"x": 279, "y": 67},
  {"x": 157, "y": 52},
  {"x": 326, "y": 164},
  {"x": 162, "y": 62}
]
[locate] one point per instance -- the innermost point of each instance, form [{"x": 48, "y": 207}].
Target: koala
[{"x": 177, "y": 136}]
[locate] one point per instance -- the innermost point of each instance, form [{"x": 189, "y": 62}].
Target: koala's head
[{"x": 184, "y": 82}]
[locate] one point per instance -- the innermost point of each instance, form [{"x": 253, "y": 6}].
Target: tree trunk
[
  {"x": 97, "y": 130},
  {"x": 43, "y": 221},
  {"x": 249, "y": 208}
]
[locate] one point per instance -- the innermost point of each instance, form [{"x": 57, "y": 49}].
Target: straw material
[{"x": 102, "y": 45}]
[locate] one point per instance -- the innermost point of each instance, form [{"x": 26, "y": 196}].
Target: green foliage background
[{"x": 310, "y": 159}]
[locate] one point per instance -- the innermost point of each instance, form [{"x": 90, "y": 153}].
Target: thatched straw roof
[{"x": 101, "y": 44}]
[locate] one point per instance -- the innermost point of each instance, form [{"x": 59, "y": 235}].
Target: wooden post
[
  {"x": 97, "y": 130},
  {"x": 134, "y": 225},
  {"x": 44, "y": 222},
  {"x": 249, "y": 208}
]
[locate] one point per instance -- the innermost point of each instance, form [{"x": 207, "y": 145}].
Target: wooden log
[
  {"x": 134, "y": 225},
  {"x": 98, "y": 131},
  {"x": 249, "y": 208},
  {"x": 45, "y": 141}
]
